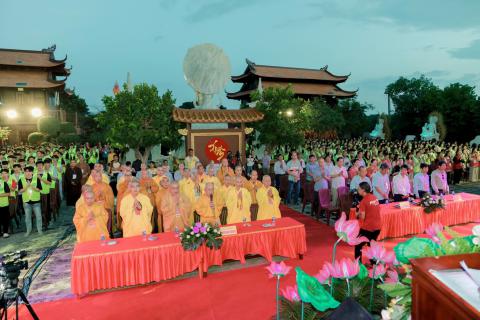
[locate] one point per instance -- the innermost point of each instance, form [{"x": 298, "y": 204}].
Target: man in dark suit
[{"x": 73, "y": 183}]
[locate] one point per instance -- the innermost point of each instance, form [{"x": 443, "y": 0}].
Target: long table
[
  {"x": 413, "y": 220},
  {"x": 134, "y": 261}
]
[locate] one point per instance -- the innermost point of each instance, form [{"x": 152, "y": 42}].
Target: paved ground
[{"x": 52, "y": 281}]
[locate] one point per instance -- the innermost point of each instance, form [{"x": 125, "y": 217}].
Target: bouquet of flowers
[
  {"x": 193, "y": 237},
  {"x": 431, "y": 204}
]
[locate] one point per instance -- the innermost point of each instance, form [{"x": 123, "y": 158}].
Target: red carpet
[{"x": 247, "y": 293}]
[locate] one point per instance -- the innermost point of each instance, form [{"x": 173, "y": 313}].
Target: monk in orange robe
[
  {"x": 98, "y": 167},
  {"x": 90, "y": 219},
  {"x": 224, "y": 171},
  {"x": 212, "y": 178},
  {"x": 268, "y": 200},
  {"x": 122, "y": 190},
  {"x": 238, "y": 174},
  {"x": 148, "y": 187},
  {"x": 136, "y": 211},
  {"x": 103, "y": 195},
  {"x": 176, "y": 209},
  {"x": 209, "y": 205},
  {"x": 253, "y": 185},
  {"x": 161, "y": 192}
]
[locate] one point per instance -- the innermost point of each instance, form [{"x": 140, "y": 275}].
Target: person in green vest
[
  {"x": 4, "y": 204},
  {"x": 46, "y": 181},
  {"x": 54, "y": 188},
  {"x": 29, "y": 188}
]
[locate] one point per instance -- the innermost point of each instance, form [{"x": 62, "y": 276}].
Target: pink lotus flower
[
  {"x": 348, "y": 230},
  {"x": 379, "y": 271},
  {"x": 278, "y": 269},
  {"x": 323, "y": 275},
  {"x": 433, "y": 231},
  {"x": 344, "y": 269},
  {"x": 392, "y": 276},
  {"x": 291, "y": 293},
  {"x": 377, "y": 252}
]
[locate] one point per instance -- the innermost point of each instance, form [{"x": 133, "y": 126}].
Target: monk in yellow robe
[
  {"x": 238, "y": 203},
  {"x": 268, "y": 200},
  {"x": 253, "y": 185},
  {"x": 80, "y": 200},
  {"x": 187, "y": 186},
  {"x": 103, "y": 192},
  {"x": 224, "y": 171},
  {"x": 136, "y": 211},
  {"x": 122, "y": 190},
  {"x": 98, "y": 167},
  {"x": 238, "y": 173},
  {"x": 209, "y": 205},
  {"x": 176, "y": 209},
  {"x": 212, "y": 178},
  {"x": 225, "y": 188},
  {"x": 90, "y": 219},
  {"x": 200, "y": 178}
]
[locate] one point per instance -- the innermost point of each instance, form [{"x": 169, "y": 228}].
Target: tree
[
  {"x": 67, "y": 127},
  {"x": 325, "y": 118},
  {"x": 49, "y": 126},
  {"x": 460, "y": 112},
  {"x": 141, "y": 119},
  {"x": 414, "y": 100},
  {"x": 286, "y": 117},
  {"x": 356, "y": 119},
  {"x": 36, "y": 138},
  {"x": 71, "y": 103}
]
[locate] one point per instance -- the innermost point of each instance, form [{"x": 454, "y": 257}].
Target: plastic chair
[
  {"x": 325, "y": 203},
  {"x": 308, "y": 194},
  {"x": 342, "y": 191},
  {"x": 283, "y": 186}
]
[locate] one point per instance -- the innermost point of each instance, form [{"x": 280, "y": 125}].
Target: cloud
[
  {"x": 217, "y": 8},
  {"x": 425, "y": 14},
  {"x": 470, "y": 52}
]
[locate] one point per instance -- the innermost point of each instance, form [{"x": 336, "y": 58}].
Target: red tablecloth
[
  {"x": 400, "y": 222},
  {"x": 286, "y": 239},
  {"x": 133, "y": 261}
]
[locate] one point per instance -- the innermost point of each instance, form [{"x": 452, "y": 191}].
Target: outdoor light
[
  {"x": 11, "y": 114},
  {"x": 36, "y": 112},
  {"x": 289, "y": 113}
]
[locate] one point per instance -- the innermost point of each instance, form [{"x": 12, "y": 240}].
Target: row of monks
[{"x": 158, "y": 204}]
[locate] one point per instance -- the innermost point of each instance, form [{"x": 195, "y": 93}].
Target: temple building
[
  {"x": 305, "y": 83},
  {"x": 30, "y": 84}
]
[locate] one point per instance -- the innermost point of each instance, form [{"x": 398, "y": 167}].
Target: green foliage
[
  {"x": 311, "y": 291},
  {"x": 325, "y": 118},
  {"x": 68, "y": 138},
  {"x": 355, "y": 117},
  {"x": 71, "y": 102},
  {"x": 49, "y": 126},
  {"x": 36, "y": 138},
  {"x": 67, "y": 127},
  {"x": 141, "y": 119},
  {"x": 416, "y": 98},
  {"x": 197, "y": 235},
  {"x": 286, "y": 117}
]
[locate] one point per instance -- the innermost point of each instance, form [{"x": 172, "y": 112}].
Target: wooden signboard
[{"x": 214, "y": 144}]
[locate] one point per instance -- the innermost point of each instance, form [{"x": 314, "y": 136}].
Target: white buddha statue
[
  {"x": 429, "y": 129},
  {"x": 377, "y": 132}
]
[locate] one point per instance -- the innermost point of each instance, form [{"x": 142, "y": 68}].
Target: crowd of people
[{"x": 114, "y": 197}]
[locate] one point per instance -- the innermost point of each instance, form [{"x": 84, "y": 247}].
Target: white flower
[
  {"x": 387, "y": 314},
  {"x": 191, "y": 233},
  {"x": 476, "y": 233},
  {"x": 188, "y": 236},
  {"x": 198, "y": 235}
]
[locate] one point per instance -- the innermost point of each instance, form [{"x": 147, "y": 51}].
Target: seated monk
[
  {"x": 136, "y": 211},
  {"x": 224, "y": 171},
  {"x": 90, "y": 219},
  {"x": 268, "y": 200},
  {"x": 98, "y": 167},
  {"x": 176, "y": 209},
  {"x": 209, "y": 205},
  {"x": 238, "y": 203}
]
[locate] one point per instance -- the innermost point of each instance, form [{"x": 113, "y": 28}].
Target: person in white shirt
[
  {"x": 339, "y": 175},
  {"x": 360, "y": 159},
  {"x": 294, "y": 170},
  {"x": 359, "y": 178},
  {"x": 381, "y": 183},
  {"x": 250, "y": 164},
  {"x": 421, "y": 181},
  {"x": 328, "y": 164},
  {"x": 439, "y": 179},
  {"x": 279, "y": 168},
  {"x": 401, "y": 185}
]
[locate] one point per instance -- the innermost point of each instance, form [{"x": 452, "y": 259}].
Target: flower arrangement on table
[
  {"x": 384, "y": 288},
  {"x": 430, "y": 203},
  {"x": 198, "y": 234}
]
